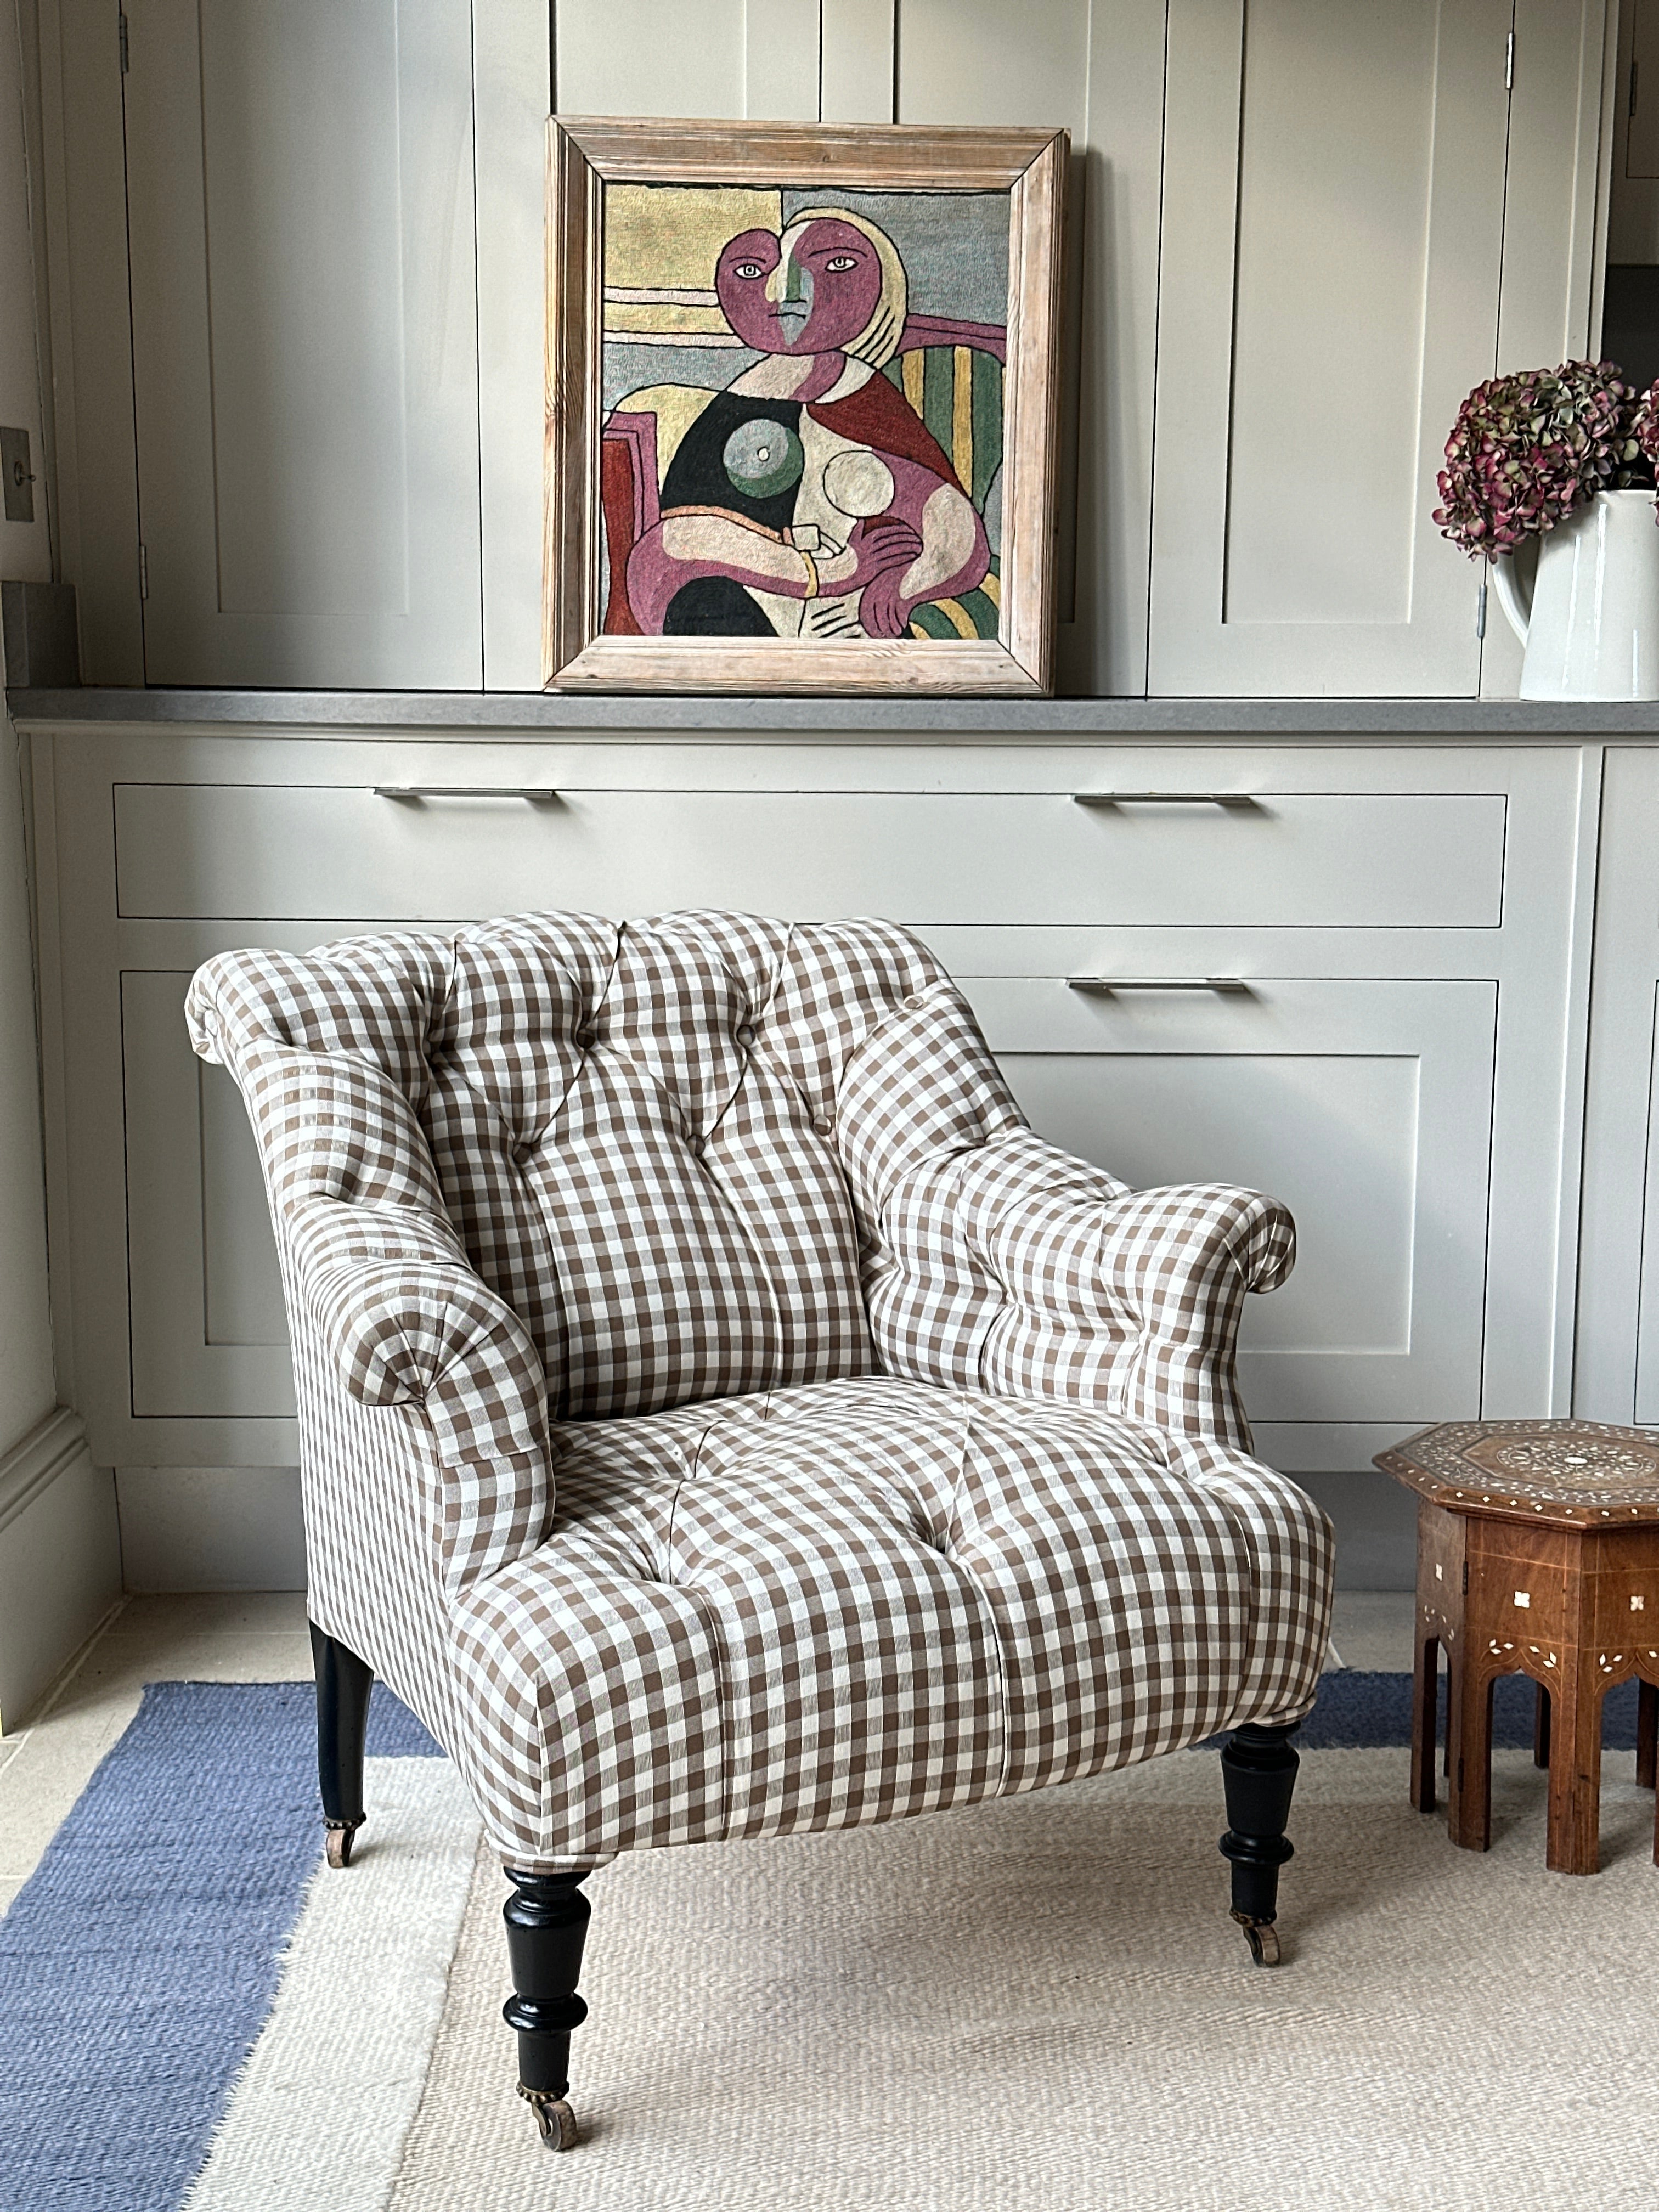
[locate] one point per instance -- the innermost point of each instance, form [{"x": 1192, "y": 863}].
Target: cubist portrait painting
[{"x": 802, "y": 412}]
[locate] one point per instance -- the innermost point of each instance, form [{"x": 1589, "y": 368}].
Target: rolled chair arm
[
  {"x": 1086, "y": 1290},
  {"x": 405, "y": 1321},
  {"x": 1164, "y": 1273},
  {"x": 1179, "y": 1256}
]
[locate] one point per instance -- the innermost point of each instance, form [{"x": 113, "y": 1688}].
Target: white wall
[{"x": 59, "y": 1554}]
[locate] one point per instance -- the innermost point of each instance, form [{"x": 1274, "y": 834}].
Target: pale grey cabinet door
[
  {"x": 1366, "y": 1106},
  {"x": 208, "y": 1332},
  {"x": 1094, "y": 68},
  {"x": 1616, "y": 1375},
  {"x": 305, "y": 341},
  {"x": 756, "y": 59},
  {"x": 1329, "y": 274}
]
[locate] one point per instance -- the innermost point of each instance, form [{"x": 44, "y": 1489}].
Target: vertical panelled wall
[
  {"x": 1092, "y": 67},
  {"x": 1300, "y": 230}
]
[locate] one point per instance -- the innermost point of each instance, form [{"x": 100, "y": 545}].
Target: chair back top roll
[{"x": 665, "y": 1143}]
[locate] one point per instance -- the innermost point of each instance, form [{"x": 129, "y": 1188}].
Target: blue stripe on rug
[
  {"x": 138, "y": 1963},
  {"x": 1360, "y": 1712}
]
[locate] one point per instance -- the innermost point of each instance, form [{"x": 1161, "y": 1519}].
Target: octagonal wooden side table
[{"x": 1537, "y": 1554}]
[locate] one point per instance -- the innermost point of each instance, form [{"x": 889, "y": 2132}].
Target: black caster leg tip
[
  {"x": 342, "y": 1834},
  {"x": 1262, "y": 1936},
  {"x": 555, "y": 2120}
]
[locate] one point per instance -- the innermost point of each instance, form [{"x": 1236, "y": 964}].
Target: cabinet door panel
[
  {"x": 1616, "y": 1373},
  {"x": 738, "y": 58},
  {"x": 1366, "y": 1106},
  {"x": 1647, "y": 1332},
  {"x": 208, "y": 1335},
  {"x": 1329, "y": 291},
  {"x": 301, "y": 191}
]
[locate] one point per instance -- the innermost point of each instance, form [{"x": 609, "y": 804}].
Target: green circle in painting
[{"x": 763, "y": 457}]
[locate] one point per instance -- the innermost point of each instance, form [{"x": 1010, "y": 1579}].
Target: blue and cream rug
[{"x": 1036, "y": 2006}]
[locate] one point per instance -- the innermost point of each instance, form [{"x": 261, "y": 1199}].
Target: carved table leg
[
  {"x": 1426, "y": 1686},
  {"x": 1574, "y": 1845},
  {"x": 1540, "y": 1726},
  {"x": 344, "y": 1683},
  {"x": 1647, "y": 1735},
  {"x": 1469, "y": 1744},
  {"x": 546, "y": 1921},
  {"x": 1442, "y": 1603},
  {"x": 1258, "y": 1771}
]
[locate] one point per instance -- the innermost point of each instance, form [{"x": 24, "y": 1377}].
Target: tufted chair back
[{"x": 663, "y": 1144}]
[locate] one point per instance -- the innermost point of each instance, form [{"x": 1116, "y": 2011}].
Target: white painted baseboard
[
  {"x": 211, "y": 1527},
  {"x": 60, "y": 1557}
]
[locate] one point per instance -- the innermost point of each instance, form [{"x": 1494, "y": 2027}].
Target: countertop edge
[{"x": 535, "y": 714}]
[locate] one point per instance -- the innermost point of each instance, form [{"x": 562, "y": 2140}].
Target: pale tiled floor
[{"x": 262, "y": 1638}]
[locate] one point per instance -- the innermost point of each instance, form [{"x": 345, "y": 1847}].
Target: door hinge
[
  {"x": 144, "y": 572},
  {"x": 1509, "y": 64},
  {"x": 121, "y": 35},
  {"x": 1480, "y": 612}
]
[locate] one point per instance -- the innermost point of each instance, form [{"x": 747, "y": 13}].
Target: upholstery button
[
  {"x": 823, "y": 1125},
  {"x": 587, "y": 1036},
  {"x": 746, "y": 1033},
  {"x": 697, "y": 1145}
]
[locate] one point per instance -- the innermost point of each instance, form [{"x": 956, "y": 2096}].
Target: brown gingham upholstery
[{"x": 720, "y": 1413}]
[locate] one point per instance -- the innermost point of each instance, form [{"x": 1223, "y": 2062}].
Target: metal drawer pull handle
[
  {"x": 542, "y": 792},
  {"x": 1242, "y": 799},
  {"x": 1104, "y": 986}
]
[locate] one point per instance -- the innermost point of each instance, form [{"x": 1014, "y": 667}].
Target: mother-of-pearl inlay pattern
[{"x": 1579, "y": 1469}]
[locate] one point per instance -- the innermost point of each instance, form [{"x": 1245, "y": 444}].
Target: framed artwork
[{"x": 803, "y": 395}]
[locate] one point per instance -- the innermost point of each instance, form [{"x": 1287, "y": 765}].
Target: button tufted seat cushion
[
  {"x": 719, "y": 1411},
  {"x": 868, "y": 1598}
]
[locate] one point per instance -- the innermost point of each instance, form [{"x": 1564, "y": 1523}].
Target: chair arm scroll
[{"x": 405, "y": 1321}]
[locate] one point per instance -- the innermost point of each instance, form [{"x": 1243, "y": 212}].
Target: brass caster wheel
[
  {"x": 554, "y": 2117},
  {"x": 1263, "y": 1937},
  {"x": 341, "y": 1836}
]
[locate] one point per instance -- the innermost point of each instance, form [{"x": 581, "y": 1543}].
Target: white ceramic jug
[{"x": 1592, "y": 630}]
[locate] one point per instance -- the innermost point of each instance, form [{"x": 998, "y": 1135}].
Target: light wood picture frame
[{"x": 800, "y": 365}]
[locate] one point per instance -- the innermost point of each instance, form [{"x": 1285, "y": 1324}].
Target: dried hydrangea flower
[{"x": 1527, "y": 450}]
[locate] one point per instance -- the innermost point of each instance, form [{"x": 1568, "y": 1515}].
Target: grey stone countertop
[{"x": 533, "y": 714}]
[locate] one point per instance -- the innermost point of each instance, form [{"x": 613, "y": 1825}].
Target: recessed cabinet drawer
[{"x": 447, "y": 851}]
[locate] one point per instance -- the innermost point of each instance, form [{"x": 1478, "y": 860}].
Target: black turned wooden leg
[
  {"x": 344, "y": 1683},
  {"x": 1258, "y": 1771},
  {"x": 546, "y": 1921}
]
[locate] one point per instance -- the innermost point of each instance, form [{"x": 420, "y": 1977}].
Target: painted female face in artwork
[{"x": 813, "y": 290}]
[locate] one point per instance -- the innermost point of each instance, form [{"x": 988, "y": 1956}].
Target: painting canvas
[
  {"x": 794, "y": 465},
  {"x": 803, "y": 397}
]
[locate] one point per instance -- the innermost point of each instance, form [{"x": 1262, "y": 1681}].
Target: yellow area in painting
[
  {"x": 662, "y": 316},
  {"x": 958, "y": 615},
  {"x": 668, "y": 237},
  {"x": 676, "y": 406},
  {"x": 962, "y": 415}
]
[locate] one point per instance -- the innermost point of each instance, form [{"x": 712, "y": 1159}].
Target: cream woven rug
[{"x": 1042, "y": 2004}]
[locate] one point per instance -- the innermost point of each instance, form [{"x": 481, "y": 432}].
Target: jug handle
[{"x": 1509, "y": 598}]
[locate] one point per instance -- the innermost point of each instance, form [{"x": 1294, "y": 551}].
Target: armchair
[{"x": 721, "y": 1415}]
